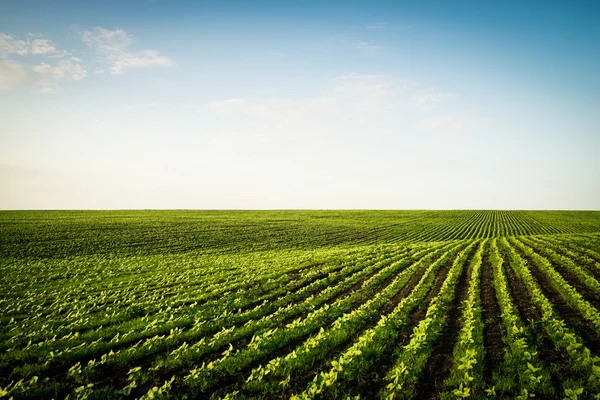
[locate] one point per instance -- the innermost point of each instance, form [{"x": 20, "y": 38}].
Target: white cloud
[
  {"x": 51, "y": 76},
  {"x": 11, "y": 45},
  {"x": 12, "y": 74},
  {"x": 42, "y": 46},
  {"x": 48, "y": 73},
  {"x": 436, "y": 97},
  {"x": 113, "y": 49}
]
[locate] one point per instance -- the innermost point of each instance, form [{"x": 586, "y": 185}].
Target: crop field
[{"x": 300, "y": 304}]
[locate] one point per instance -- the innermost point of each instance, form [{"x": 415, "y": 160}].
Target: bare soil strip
[
  {"x": 492, "y": 333},
  {"x": 440, "y": 362}
]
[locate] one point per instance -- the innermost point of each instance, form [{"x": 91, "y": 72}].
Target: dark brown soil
[
  {"x": 520, "y": 296},
  {"x": 492, "y": 333}
]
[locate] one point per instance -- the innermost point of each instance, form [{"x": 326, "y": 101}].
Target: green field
[{"x": 300, "y": 304}]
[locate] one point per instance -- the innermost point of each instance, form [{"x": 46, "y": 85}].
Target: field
[{"x": 300, "y": 304}]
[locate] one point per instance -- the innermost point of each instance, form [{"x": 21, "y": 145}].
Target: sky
[{"x": 308, "y": 104}]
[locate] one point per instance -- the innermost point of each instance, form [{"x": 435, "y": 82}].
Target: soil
[{"x": 491, "y": 314}]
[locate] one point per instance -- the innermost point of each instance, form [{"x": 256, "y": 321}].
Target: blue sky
[{"x": 180, "y": 104}]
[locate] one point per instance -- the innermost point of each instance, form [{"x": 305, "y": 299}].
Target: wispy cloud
[
  {"x": 435, "y": 97},
  {"x": 276, "y": 53},
  {"x": 38, "y": 59},
  {"x": 15, "y": 68},
  {"x": 368, "y": 47},
  {"x": 360, "y": 98},
  {"x": 11, "y": 74},
  {"x": 378, "y": 25},
  {"x": 113, "y": 48},
  {"x": 462, "y": 122},
  {"x": 396, "y": 27},
  {"x": 50, "y": 76},
  {"x": 142, "y": 106},
  {"x": 374, "y": 103},
  {"x": 374, "y": 85},
  {"x": 10, "y": 45}
]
